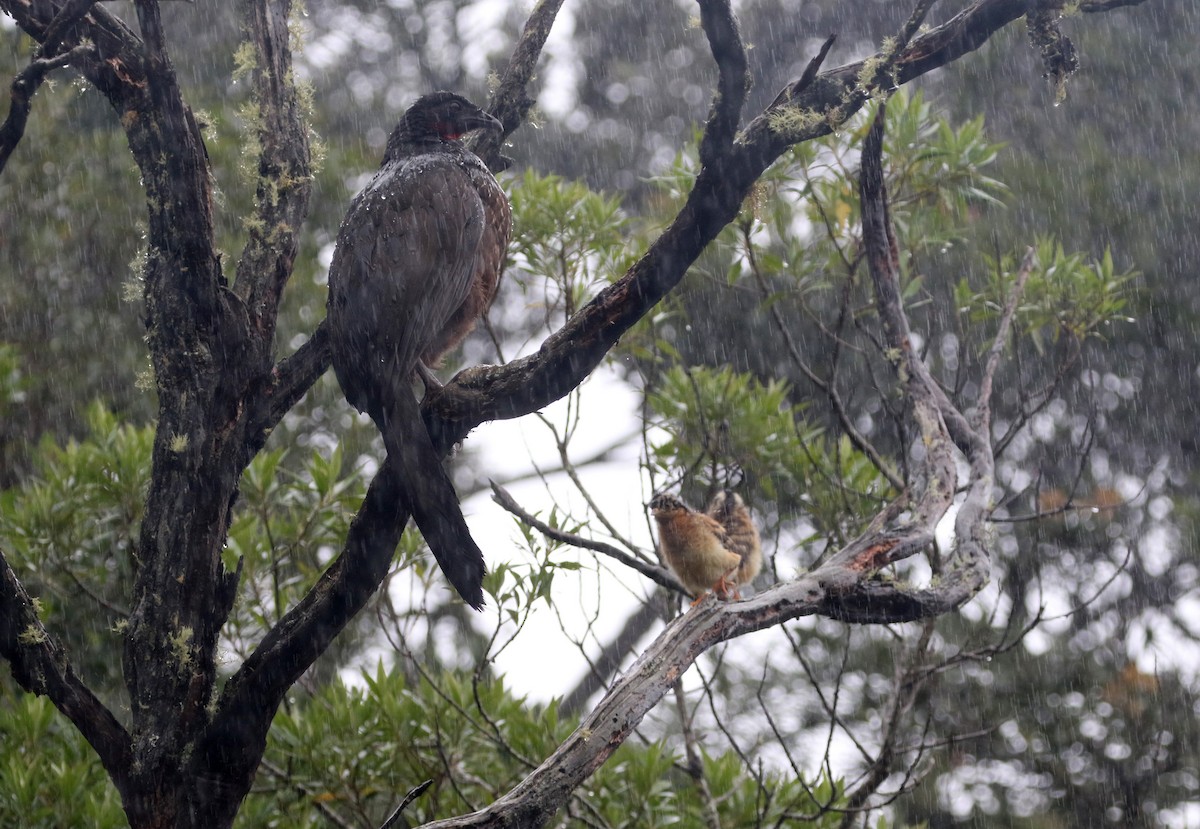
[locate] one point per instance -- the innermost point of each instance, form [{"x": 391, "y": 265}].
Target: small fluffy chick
[
  {"x": 693, "y": 545},
  {"x": 741, "y": 536}
]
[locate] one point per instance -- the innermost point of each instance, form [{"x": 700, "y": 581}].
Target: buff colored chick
[
  {"x": 741, "y": 536},
  {"x": 693, "y": 546}
]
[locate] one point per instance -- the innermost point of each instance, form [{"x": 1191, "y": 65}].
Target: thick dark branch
[
  {"x": 174, "y": 165},
  {"x": 733, "y": 77},
  {"x": 115, "y": 67},
  {"x": 71, "y": 13},
  {"x": 249, "y": 700},
  {"x": 511, "y": 101},
  {"x": 40, "y": 665},
  {"x": 28, "y": 80},
  {"x": 24, "y": 85},
  {"x": 284, "y": 176},
  {"x": 880, "y": 80},
  {"x": 289, "y": 382}
]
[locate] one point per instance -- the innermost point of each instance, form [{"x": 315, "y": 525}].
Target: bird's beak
[{"x": 483, "y": 121}]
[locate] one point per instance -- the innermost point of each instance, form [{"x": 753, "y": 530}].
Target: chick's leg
[{"x": 724, "y": 588}]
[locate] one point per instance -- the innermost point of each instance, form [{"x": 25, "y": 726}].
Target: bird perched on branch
[
  {"x": 741, "y": 536},
  {"x": 418, "y": 261},
  {"x": 715, "y": 550}
]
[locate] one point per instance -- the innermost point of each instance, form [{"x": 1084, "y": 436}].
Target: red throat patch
[{"x": 446, "y": 131}]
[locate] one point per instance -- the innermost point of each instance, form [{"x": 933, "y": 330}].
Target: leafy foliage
[
  {"x": 359, "y": 749},
  {"x": 1066, "y": 296},
  {"x": 51, "y": 776},
  {"x": 71, "y": 531}
]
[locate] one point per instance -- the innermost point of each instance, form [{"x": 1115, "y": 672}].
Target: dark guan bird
[{"x": 418, "y": 261}]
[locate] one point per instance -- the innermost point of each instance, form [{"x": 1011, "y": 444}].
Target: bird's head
[
  {"x": 440, "y": 116},
  {"x": 664, "y": 503},
  {"x": 726, "y": 500}
]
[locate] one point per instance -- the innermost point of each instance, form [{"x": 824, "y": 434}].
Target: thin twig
[
  {"x": 307, "y": 792},
  {"x": 835, "y": 399},
  {"x": 695, "y": 766},
  {"x": 997, "y": 349},
  {"x": 413, "y": 793},
  {"x": 658, "y": 575},
  {"x": 809, "y": 75}
]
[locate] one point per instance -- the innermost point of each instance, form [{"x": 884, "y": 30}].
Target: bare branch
[
  {"x": 828, "y": 387},
  {"x": 733, "y": 77},
  {"x": 24, "y": 86},
  {"x": 1006, "y": 318},
  {"x": 807, "y": 77},
  {"x": 658, "y": 575},
  {"x": 511, "y": 101},
  {"x": 309, "y": 792},
  {"x": 40, "y": 665},
  {"x": 940, "y": 475},
  {"x": 605, "y": 665},
  {"x": 284, "y": 174},
  {"x": 908, "y": 681},
  {"x": 413, "y": 793},
  {"x": 936, "y": 416},
  {"x": 831, "y": 590},
  {"x": 695, "y": 765},
  {"x": 880, "y": 79}
]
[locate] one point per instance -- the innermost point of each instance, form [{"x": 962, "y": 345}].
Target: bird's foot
[
  {"x": 428, "y": 378},
  {"x": 724, "y": 588}
]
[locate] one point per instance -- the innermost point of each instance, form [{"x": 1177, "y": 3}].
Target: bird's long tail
[{"x": 431, "y": 498}]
